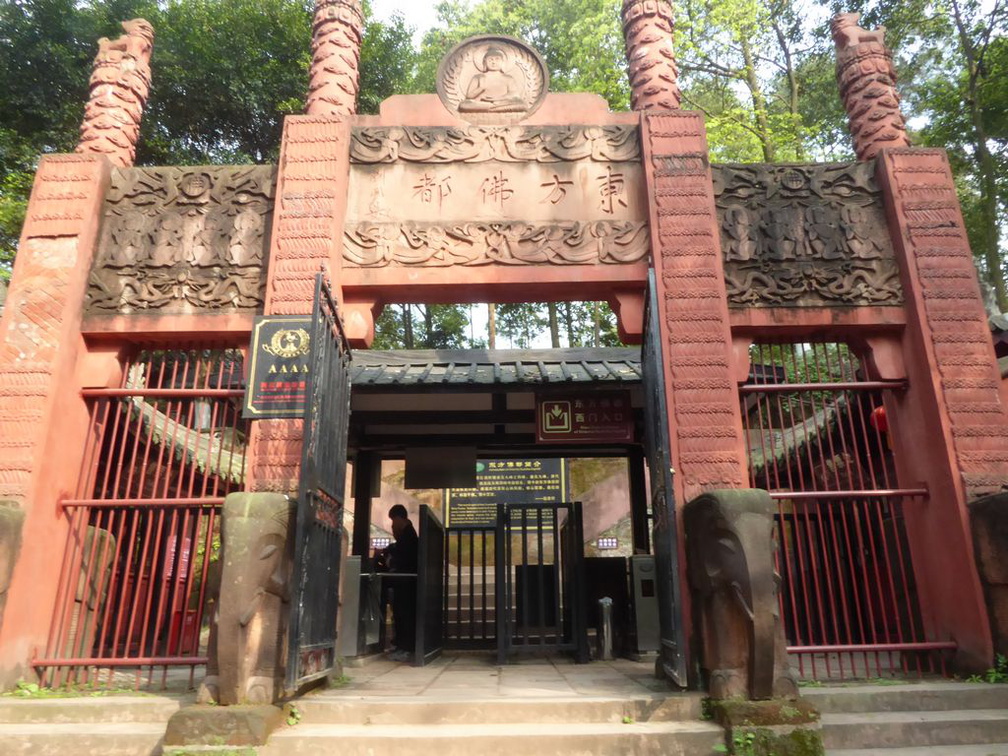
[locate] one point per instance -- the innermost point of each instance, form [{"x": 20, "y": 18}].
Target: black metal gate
[
  {"x": 430, "y": 588},
  {"x": 666, "y": 542},
  {"x": 540, "y": 592},
  {"x": 311, "y": 648}
]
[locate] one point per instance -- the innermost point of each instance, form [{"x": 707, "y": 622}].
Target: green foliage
[
  {"x": 25, "y": 689},
  {"x": 996, "y": 674},
  {"x": 413, "y": 326},
  {"x": 580, "y": 40},
  {"x": 293, "y": 715}
]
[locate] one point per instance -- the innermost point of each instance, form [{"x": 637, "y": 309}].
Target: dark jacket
[{"x": 405, "y": 550}]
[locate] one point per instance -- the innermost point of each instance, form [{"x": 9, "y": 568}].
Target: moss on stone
[
  {"x": 738, "y": 712},
  {"x": 763, "y": 741}
]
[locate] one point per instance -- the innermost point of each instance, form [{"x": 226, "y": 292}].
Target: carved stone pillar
[
  {"x": 120, "y": 83},
  {"x": 867, "y": 79},
  {"x": 307, "y": 233},
  {"x": 704, "y": 415},
  {"x": 333, "y": 82},
  {"x": 648, "y": 29},
  {"x": 43, "y": 420},
  {"x": 951, "y": 428}
]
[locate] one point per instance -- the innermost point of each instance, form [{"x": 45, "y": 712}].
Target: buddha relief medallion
[{"x": 492, "y": 80}]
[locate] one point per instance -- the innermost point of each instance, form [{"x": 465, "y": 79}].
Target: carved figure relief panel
[
  {"x": 436, "y": 196},
  {"x": 492, "y": 79},
  {"x": 183, "y": 239},
  {"x": 805, "y": 235}
]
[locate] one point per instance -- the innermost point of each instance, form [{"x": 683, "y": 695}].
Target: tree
[
  {"x": 580, "y": 40},
  {"x": 225, "y": 72},
  {"x": 953, "y": 59},
  {"x": 413, "y": 326}
]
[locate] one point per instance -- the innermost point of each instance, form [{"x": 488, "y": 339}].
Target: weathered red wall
[{"x": 43, "y": 419}]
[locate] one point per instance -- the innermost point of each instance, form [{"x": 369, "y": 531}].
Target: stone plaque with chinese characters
[{"x": 440, "y": 196}]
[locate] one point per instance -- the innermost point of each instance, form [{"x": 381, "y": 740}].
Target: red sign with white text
[{"x": 599, "y": 416}]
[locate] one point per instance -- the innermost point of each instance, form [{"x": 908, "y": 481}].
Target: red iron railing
[
  {"x": 166, "y": 447},
  {"x": 817, "y": 437}
]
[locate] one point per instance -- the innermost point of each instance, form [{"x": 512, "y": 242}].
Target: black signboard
[
  {"x": 507, "y": 481},
  {"x": 278, "y": 371}
]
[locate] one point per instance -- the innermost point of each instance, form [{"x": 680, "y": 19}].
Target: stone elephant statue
[
  {"x": 247, "y": 646},
  {"x": 730, "y": 555}
]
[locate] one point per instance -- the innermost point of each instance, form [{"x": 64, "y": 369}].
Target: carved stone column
[
  {"x": 648, "y": 30},
  {"x": 700, "y": 382},
  {"x": 336, "y": 41},
  {"x": 120, "y": 83},
  {"x": 951, "y": 428},
  {"x": 307, "y": 229},
  {"x": 867, "y": 79}
]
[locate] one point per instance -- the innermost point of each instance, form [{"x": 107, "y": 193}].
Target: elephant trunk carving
[
  {"x": 729, "y": 537},
  {"x": 247, "y": 637}
]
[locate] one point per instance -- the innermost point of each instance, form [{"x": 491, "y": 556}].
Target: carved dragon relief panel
[
  {"x": 183, "y": 239},
  {"x": 805, "y": 236}
]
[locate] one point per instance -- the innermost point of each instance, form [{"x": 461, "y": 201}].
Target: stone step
[
  {"x": 577, "y": 739},
  {"x": 105, "y": 709},
  {"x": 435, "y": 709},
  {"x": 921, "y": 696},
  {"x": 94, "y": 739},
  {"x": 990, "y": 749},
  {"x": 904, "y": 729}
]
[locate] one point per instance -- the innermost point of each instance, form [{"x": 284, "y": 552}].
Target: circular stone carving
[{"x": 492, "y": 79}]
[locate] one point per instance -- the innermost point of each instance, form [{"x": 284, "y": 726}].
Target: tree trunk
[
  {"x": 407, "y": 327},
  {"x": 428, "y": 316},
  {"x": 554, "y": 325},
  {"x": 793, "y": 92},
  {"x": 985, "y": 165},
  {"x": 491, "y": 326},
  {"x": 596, "y": 324},
  {"x": 758, "y": 101},
  {"x": 569, "y": 323}
]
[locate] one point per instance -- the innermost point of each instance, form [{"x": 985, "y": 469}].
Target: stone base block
[
  {"x": 778, "y": 727},
  {"x": 222, "y": 726}
]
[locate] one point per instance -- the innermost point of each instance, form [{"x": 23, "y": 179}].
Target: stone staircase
[
  {"x": 87, "y": 726},
  {"x": 459, "y": 725},
  {"x": 927, "y": 718}
]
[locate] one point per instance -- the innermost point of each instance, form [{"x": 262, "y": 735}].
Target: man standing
[{"x": 402, "y": 557}]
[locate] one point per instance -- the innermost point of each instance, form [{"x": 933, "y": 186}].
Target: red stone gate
[{"x": 515, "y": 195}]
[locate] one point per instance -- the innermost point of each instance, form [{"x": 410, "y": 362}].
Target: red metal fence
[
  {"x": 817, "y": 437},
  {"x": 166, "y": 447}
]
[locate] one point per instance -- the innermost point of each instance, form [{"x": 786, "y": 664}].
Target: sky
[{"x": 419, "y": 14}]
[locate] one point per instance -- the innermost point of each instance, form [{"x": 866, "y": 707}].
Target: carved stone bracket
[
  {"x": 572, "y": 243},
  {"x": 805, "y": 235},
  {"x": 478, "y": 144},
  {"x": 179, "y": 239}
]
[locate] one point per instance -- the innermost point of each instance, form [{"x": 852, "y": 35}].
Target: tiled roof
[{"x": 483, "y": 367}]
